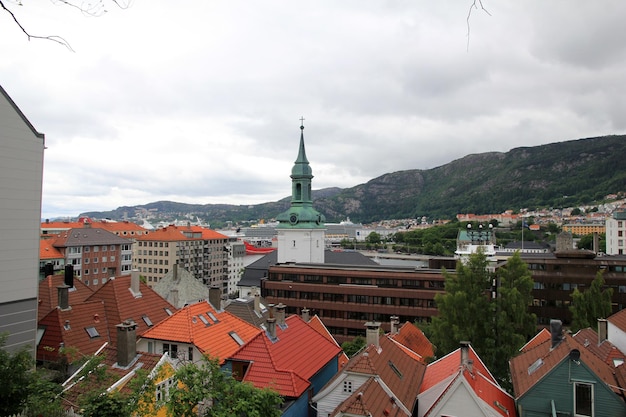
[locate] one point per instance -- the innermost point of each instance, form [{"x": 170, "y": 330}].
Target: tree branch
[
  {"x": 53, "y": 38},
  {"x": 475, "y": 4}
]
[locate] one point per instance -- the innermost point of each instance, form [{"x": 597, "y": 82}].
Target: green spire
[{"x": 301, "y": 214}]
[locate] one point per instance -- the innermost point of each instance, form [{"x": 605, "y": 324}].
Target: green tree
[
  {"x": 496, "y": 326},
  {"x": 112, "y": 404},
  {"x": 206, "y": 383},
  {"x": 586, "y": 242},
  {"x": 16, "y": 379},
  {"x": 350, "y": 348},
  {"x": 513, "y": 323},
  {"x": 590, "y": 305},
  {"x": 373, "y": 238},
  {"x": 464, "y": 309}
]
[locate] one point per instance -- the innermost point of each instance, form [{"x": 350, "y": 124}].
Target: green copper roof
[{"x": 301, "y": 214}]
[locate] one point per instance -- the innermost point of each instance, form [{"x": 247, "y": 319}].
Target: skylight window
[
  {"x": 92, "y": 332},
  {"x": 236, "y": 338},
  {"x": 168, "y": 311},
  {"x": 147, "y": 320},
  {"x": 212, "y": 316},
  {"x": 395, "y": 369},
  {"x": 204, "y": 320},
  {"x": 536, "y": 365}
]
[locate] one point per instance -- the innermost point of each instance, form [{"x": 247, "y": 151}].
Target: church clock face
[{"x": 293, "y": 218}]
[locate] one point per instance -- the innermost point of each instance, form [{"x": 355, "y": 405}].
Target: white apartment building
[{"x": 616, "y": 233}]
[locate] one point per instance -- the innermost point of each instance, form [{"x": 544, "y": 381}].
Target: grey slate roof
[
  {"x": 244, "y": 309},
  {"x": 190, "y": 290},
  {"x": 256, "y": 271},
  {"x": 88, "y": 236}
]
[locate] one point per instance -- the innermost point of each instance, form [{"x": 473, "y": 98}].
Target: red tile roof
[
  {"x": 67, "y": 328},
  {"x": 413, "y": 338},
  {"x": 371, "y": 399},
  {"x": 524, "y": 377},
  {"x": 121, "y": 304},
  {"x": 187, "y": 326},
  {"x": 49, "y": 293},
  {"x": 606, "y": 350},
  {"x": 280, "y": 364},
  {"x": 316, "y": 324},
  {"x": 539, "y": 338},
  {"x": 401, "y": 371},
  {"x": 208, "y": 234},
  {"x": 169, "y": 233},
  {"x": 448, "y": 370},
  {"x": 75, "y": 388}
]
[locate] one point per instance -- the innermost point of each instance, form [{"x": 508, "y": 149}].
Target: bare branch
[
  {"x": 53, "y": 38},
  {"x": 475, "y": 4}
]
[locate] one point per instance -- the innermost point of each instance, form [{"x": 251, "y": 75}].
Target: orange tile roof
[
  {"x": 67, "y": 328},
  {"x": 169, "y": 233},
  {"x": 208, "y": 233},
  {"x": 523, "y": 380},
  {"x": 121, "y": 304},
  {"x": 316, "y": 324},
  {"x": 606, "y": 350},
  {"x": 111, "y": 226},
  {"x": 413, "y": 338},
  {"x": 49, "y": 293},
  {"x": 187, "y": 326},
  {"x": 48, "y": 251},
  {"x": 280, "y": 364}
]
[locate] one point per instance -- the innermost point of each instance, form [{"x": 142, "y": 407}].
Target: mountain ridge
[{"x": 558, "y": 174}]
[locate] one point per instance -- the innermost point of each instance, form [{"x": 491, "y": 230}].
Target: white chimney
[
  {"x": 134, "y": 283},
  {"x": 257, "y": 302},
  {"x": 306, "y": 315},
  {"x": 271, "y": 323},
  {"x": 465, "y": 360},
  {"x": 372, "y": 333},
  {"x": 395, "y": 321},
  {"x": 280, "y": 315}
]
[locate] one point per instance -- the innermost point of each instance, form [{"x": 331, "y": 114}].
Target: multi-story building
[
  {"x": 95, "y": 254},
  {"x": 582, "y": 229},
  {"x": 21, "y": 173},
  {"x": 199, "y": 250},
  {"x": 557, "y": 274},
  {"x": 125, "y": 229},
  {"x": 346, "y": 296},
  {"x": 236, "y": 252},
  {"x": 616, "y": 233}
]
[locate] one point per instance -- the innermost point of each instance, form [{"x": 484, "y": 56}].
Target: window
[
  {"x": 92, "y": 332},
  {"x": 172, "y": 349},
  {"x": 347, "y": 386},
  {"x": 162, "y": 392},
  {"x": 583, "y": 399}
]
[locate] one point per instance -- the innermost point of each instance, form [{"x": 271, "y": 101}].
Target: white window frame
[{"x": 590, "y": 385}]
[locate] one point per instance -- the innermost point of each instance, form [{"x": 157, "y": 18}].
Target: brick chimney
[
  {"x": 556, "y": 332},
  {"x": 63, "y": 297},
  {"x": 126, "y": 343},
  {"x": 372, "y": 334},
  {"x": 271, "y": 323},
  {"x": 215, "y": 297},
  {"x": 603, "y": 330},
  {"x": 395, "y": 321},
  {"x": 134, "y": 283},
  {"x": 306, "y": 315}
]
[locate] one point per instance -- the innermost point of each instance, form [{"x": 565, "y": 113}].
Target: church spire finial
[{"x": 302, "y": 119}]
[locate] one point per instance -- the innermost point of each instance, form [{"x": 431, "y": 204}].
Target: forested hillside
[{"x": 560, "y": 174}]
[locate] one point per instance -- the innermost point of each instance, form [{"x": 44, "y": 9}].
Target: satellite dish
[{"x": 574, "y": 355}]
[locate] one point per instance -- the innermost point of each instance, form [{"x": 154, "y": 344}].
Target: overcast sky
[{"x": 200, "y": 101}]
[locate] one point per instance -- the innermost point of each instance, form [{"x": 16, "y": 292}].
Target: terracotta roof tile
[
  {"x": 450, "y": 365},
  {"x": 279, "y": 364},
  {"x": 48, "y": 251},
  {"x": 606, "y": 350},
  {"x": 371, "y": 399},
  {"x": 68, "y": 328},
  {"x": 413, "y": 338},
  {"x": 525, "y": 373},
  {"x": 193, "y": 324},
  {"x": 121, "y": 304},
  {"x": 49, "y": 293},
  {"x": 537, "y": 339},
  {"x": 169, "y": 233},
  {"x": 317, "y": 325}
]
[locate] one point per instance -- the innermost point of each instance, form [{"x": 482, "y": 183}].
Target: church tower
[{"x": 301, "y": 228}]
